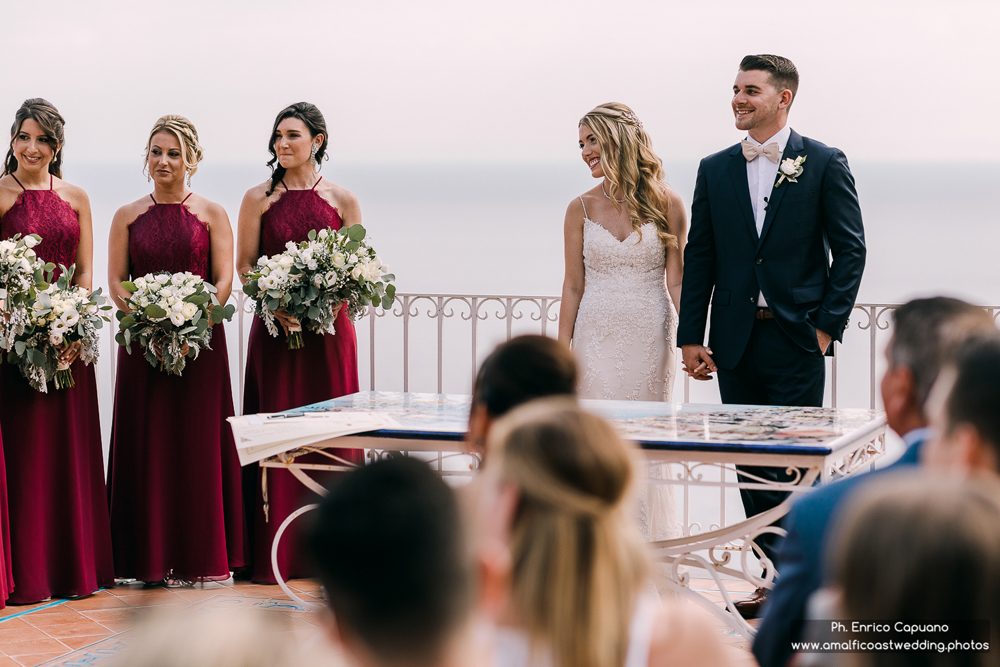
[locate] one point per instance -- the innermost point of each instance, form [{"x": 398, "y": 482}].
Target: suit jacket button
[
  {"x": 759, "y": 260},
  {"x": 753, "y": 300}
]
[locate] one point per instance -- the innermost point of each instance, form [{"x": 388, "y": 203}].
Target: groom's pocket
[
  {"x": 720, "y": 298},
  {"x": 808, "y": 294}
]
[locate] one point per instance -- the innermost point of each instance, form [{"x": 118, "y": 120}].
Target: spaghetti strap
[
  {"x": 585, "y": 216},
  {"x": 316, "y": 183},
  {"x": 51, "y": 186},
  {"x": 154, "y": 201},
  {"x": 186, "y": 198},
  {"x": 18, "y": 182}
]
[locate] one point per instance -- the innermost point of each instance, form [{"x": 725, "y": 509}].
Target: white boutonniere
[{"x": 789, "y": 169}]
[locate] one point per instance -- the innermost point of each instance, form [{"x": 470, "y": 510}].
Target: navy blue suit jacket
[
  {"x": 806, "y": 222},
  {"x": 800, "y": 561}
]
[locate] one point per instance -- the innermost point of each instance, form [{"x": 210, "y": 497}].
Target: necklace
[{"x": 620, "y": 201}]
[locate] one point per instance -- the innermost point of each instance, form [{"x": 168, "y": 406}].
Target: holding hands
[{"x": 698, "y": 361}]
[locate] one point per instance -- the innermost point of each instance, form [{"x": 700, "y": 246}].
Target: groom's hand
[
  {"x": 824, "y": 339},
  {"x": 698, "y": 361}
]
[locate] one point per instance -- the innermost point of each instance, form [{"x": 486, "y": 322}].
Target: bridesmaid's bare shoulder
[{"x": 129, "y": 212}]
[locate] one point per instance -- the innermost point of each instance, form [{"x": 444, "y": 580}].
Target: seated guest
[
  {"x": 580, "y": 588},
  {"x": 925, "y": 335},
  {"x": 397, "y": 572},
  {"x": 522, "y": 369},
  {"x": 920, "y": 549}
]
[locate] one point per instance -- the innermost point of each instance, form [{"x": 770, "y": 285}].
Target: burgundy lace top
[
  {"x": 45, "y": 213},
  {"x": 292, "y": 217},
  {"x": 169, "y": 237}
]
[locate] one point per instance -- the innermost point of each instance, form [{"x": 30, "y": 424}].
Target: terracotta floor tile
[
  {"x": 13, "y": 623},
  {"x": 17, "y": 633},
  {"x": 99, "y": 601},
  {"x": 306, "y": 585},
  {"x": 197, "y": 595},
  {"x": 37, "y": 658},
  {"x": 32, "y": 646},
  {"x": 79, "y": 642},
  {"x": 79, "y": 629},
  {"x": 127, "y": 590},
  {"x": 153, "y": 597},
  {"x": 102, "y": 616},
  {"x": 8, "y": 662},
  {"x": 118, "y": 626},
  {"x": 40, "y": 619}
]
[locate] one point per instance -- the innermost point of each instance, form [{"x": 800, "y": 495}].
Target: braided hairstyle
[
  {"x": 187, "y": 136},
  {"x": 313, "y": 119},
  {"x": 633, "y": 169},
  {"x": 48, "y": 118}
]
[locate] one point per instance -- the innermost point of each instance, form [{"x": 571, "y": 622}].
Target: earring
[
  {"x": 315, "y": 149},
  {"x": 189, "y": 179}
]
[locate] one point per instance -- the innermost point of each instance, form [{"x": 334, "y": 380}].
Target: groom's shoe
[{"x": 753, "y": 606}]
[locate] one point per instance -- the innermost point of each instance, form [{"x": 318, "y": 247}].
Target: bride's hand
[
  {"x": 287, "y": 321},
  {"x": 698, "y": 361},
  {"x": 69, "y": 353}
]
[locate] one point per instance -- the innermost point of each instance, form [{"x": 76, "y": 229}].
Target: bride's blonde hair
[
  {"x": 578, "y": 559},
  {"x": 633, "y": 169}
]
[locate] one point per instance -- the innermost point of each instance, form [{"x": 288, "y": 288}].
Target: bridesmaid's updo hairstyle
[
  {"x": 187, "y": 137},
  {"x": 48, "y": 118},
  {"x": 633, "y": 169},
  {"x": 313, "y": 118}
]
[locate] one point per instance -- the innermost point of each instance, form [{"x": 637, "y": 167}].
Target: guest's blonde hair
[
  {"x": 187, "y": 137},
  {"x": 578, "y": 560},
  {"x": 633, "y": 169}
]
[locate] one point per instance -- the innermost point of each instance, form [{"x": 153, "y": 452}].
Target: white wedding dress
[{"x": 625, "y": 340}]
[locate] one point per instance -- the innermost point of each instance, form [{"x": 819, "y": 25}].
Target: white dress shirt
[{"x": 761, "y": 174}]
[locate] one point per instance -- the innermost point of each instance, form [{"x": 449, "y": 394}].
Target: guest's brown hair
[
  {"x": 782, "y": 71},
  {"x": 522, "y": 369},
  {"x": 47, "y": 116},
  {"x": 578, "y": 559}
]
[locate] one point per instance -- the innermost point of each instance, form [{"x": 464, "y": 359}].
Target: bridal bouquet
[
  {"x": 170, "y": 315},
  {"x": 310, "y": 279},
  {"x": 59, "y": 315},
  {"x": 20, "y": 271}
]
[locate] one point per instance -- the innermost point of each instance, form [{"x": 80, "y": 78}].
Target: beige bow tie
[{"x": 752, "y": 150}]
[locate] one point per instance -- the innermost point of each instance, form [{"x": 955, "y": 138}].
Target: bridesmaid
[
  {"x": 175, "y": 496},
  {"x": 60, "y": 535},
  {"x": 294, "y": 201}
]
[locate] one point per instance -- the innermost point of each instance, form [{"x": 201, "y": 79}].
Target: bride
[{"x": 621, "y": 294}]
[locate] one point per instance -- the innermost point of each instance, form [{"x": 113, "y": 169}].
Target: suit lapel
[
  {"x": 792, "y": 150},
  {"x": 738, "y": 173}
]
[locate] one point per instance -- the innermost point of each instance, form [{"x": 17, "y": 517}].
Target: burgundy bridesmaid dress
[
  {"x": 60, "y": 534},
  {"x": 279, "y": 379},
  {"x": 174, "y": 476}
]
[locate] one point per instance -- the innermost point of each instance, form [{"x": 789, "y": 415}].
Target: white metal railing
[{"x": 435, "y": 342}]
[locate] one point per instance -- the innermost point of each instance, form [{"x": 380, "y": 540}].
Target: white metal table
[{"x": 702, "y": 444}]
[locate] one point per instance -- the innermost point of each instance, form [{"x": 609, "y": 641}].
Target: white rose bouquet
[
  {"x": 60, "y": 315},
  {"x": 170, "y": 315},
  {"x": 311, "y": 279},
  {"x": 20, "y": 271}
]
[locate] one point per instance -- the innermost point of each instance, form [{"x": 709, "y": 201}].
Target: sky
[{"x": 442, "y": 81}]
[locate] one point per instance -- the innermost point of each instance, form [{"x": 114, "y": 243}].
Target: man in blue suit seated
[{"x": 926, "y": 334}]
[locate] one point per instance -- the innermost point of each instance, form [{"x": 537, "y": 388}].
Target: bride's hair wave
[{"x": 633, "y": 169}]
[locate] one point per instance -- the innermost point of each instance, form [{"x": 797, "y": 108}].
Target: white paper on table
[{"x": 263, "y": 435}]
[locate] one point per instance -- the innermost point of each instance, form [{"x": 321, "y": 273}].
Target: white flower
[
  {"x": 31, "y": 240},
  {"x": 188, "y": 310},
  {"x": 91, "y": 309},
  {"x": 352, "y": 259},
  {"x": 177, "y": 307},
  {"x": 163, "y": 278},
  {"x": 71, "y": 318},
  {"x": 176, "y": 319},
  {"x": 339, "y": 260},
  {"x": 140, "y": 283},
  {"x": 331, "y": 278},
  {"x": 268, "y": 282},
  {"x": 56, "y": 338},
  {"x": 286, "y": 261},
  {"x": 788, "y": 167},
  {"x": 279, "y": 276},
  {"x": 318, "y": 280},
  {"x": 177, "y": 279},
  {"x": 356, "y": 272}
]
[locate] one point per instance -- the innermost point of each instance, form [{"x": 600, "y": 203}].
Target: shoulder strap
[
  {"x": 316, "y": 183},
  {"x": 186, "y": 198},
  {"x": 51, "y": 179},
  {"x": 17, "y": 181},
  {"x": 584, "y": 208},
  {"x": 151, "y": 197}
]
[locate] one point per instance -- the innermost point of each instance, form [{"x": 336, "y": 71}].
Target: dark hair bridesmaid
[
  {"x": 294, "y": 201},
  {"x": 176, "y": 508},
  {"x": 60, "y": 535}
]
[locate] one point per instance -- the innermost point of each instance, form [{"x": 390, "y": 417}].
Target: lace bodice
[
  {"x": 291, "y": 218},
  {"x": 169, "y": 237},
  {"x": 45, "y": 213}
]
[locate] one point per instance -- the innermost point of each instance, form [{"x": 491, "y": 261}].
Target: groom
[{"x": 767, "y": 215}]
